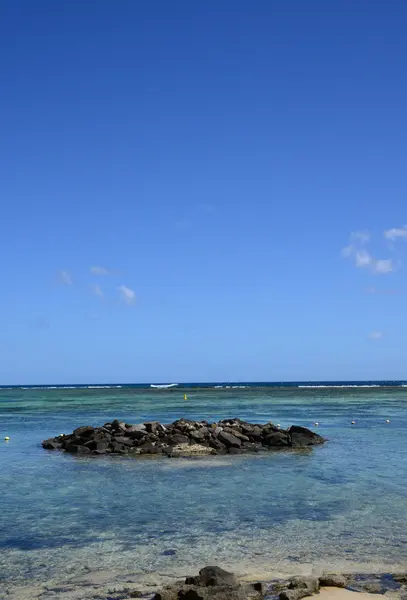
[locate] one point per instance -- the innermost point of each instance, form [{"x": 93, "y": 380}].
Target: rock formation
[{"x": 182, "y": 438}]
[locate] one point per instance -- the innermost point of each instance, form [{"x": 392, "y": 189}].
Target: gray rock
[
  {"x": 83, "y": 431},
  {"x": 136, "y": 428},
  {"x": 216, "y": 576},
  {"x": 74, "y": 449},
  {"x": 151, "y": 427},
  {"x": 311, "y": 584},
  {"x": 332, "y": 580},
  {"x": 123, "y": 440},
  {"x": 296, "y": 594},
  {"x": 301, "y": 436},
  {"x": 277, "y": 439},
  {"x": 229, "y": 440},
  {"x": 176, "y": 439},
  {"x": 51, "y": 445}
]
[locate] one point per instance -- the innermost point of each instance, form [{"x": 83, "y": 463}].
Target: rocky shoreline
[
  {"x": 212, "y": 583},
  {"x": 183, "y": 438}
]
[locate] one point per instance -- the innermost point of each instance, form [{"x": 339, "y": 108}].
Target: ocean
[{"x": 340, "y": 506}]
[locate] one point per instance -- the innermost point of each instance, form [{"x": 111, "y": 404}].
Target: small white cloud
[
  {"x": 383, "y": 266},
  {"x": 65, "y": 278},
  {"x": 375, "y": 335},
  {"x": 99, "y": 271},
  {"x": 396, "y": 233},
  {"x": 363, "y": 258},
  {"x": 127, "y": 295},
  {"x": 97, "y": 290},
  {"x": 356, "y": 241}
]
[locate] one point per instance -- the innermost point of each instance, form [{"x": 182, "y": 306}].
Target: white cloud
[
  {"x": 99, "y": 271},
  {"x": 363, "y": 258},
  {"x": 383, "y": 266},
  {"x": 96, "y": 289},
  {"x": 127, "y": 295},
  {"x": 65, "y": 278},
  {"x": 375, "y": 335},
  {"x": 356, "y": 240},
  {"x": 395, "y": 233}
]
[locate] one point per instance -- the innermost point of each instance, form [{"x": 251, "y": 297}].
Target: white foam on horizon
[
  {"x": 164, "y": 386},
  {"x": 344, "y": 386}
]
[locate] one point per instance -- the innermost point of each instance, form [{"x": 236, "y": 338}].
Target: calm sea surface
[{"x": 343, "y": 505}]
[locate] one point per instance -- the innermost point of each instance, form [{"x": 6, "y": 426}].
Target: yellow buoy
[
  {"x": 6, "y": 439},
  {"x": 185, "y": 397},
  {"x": 353, "y": 422}
]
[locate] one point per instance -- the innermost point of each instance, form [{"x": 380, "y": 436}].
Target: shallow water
[{"x": 341, "y": 505}]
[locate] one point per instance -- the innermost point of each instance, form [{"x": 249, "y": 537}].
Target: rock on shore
[
  {"x": 213, "y": 583},
  {"x": 182, "y": 438}
]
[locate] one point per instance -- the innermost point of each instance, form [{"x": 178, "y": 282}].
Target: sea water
[{"x": 341, "y": 505}]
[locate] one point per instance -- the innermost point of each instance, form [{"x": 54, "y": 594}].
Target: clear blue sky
[{"x": 179, "y": 180}]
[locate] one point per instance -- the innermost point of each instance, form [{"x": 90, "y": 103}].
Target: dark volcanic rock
[
  {"x": 84, "y": 431},
  {"x": 229, "y": 439},
  {"x": 301, "y": 436},
  {"x": 176, "y": 439},
  {"x": 277, "y": 439},
  {"x": 51, "y": 444},
  {"x": 182, "y": 438}
]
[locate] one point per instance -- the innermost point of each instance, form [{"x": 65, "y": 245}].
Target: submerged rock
[{"x": 182, "y": 438}]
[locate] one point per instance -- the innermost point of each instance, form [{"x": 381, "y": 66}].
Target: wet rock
[
  {"x": 51, "y": 445},
  {"x": 176, "y": 439},
  {"x": 151, "y": 427},
  {"x": 231, "y": 435},
  {"x": 277, "y": 439},
  {"x": 311, "y": 584},
  {"x": 296, "y": 594},
  {"x": 216, "y": 576},
  {"x": 216, "y": 444},
  {"x": 77, "y": 449},
  {"x": 301, "y": 436},
  {"x": 136, "y": 429},
  {"x": 332, "y": 580},
  {"x": 118, "y": 425},
  {"x": 199, "y": 435},
  {"x": 123, "y": 440},
  {"x": 373, "y": 587},
  {"x": 119, "y": 448},
  {"x": 85, "y": 432},
  {"x": 100, "y": 447},
  {"x": 229, "y": 440}
]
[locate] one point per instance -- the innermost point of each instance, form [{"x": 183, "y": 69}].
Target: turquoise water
[{"x": 341, "y": 505}]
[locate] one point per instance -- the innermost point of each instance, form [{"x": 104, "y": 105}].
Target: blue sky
[{"x": 203, "y": 190}]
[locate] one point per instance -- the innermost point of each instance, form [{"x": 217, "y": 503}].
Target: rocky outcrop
[
  {"x": 212, "y": 583},
  {"x": 182, "y": 438}
]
